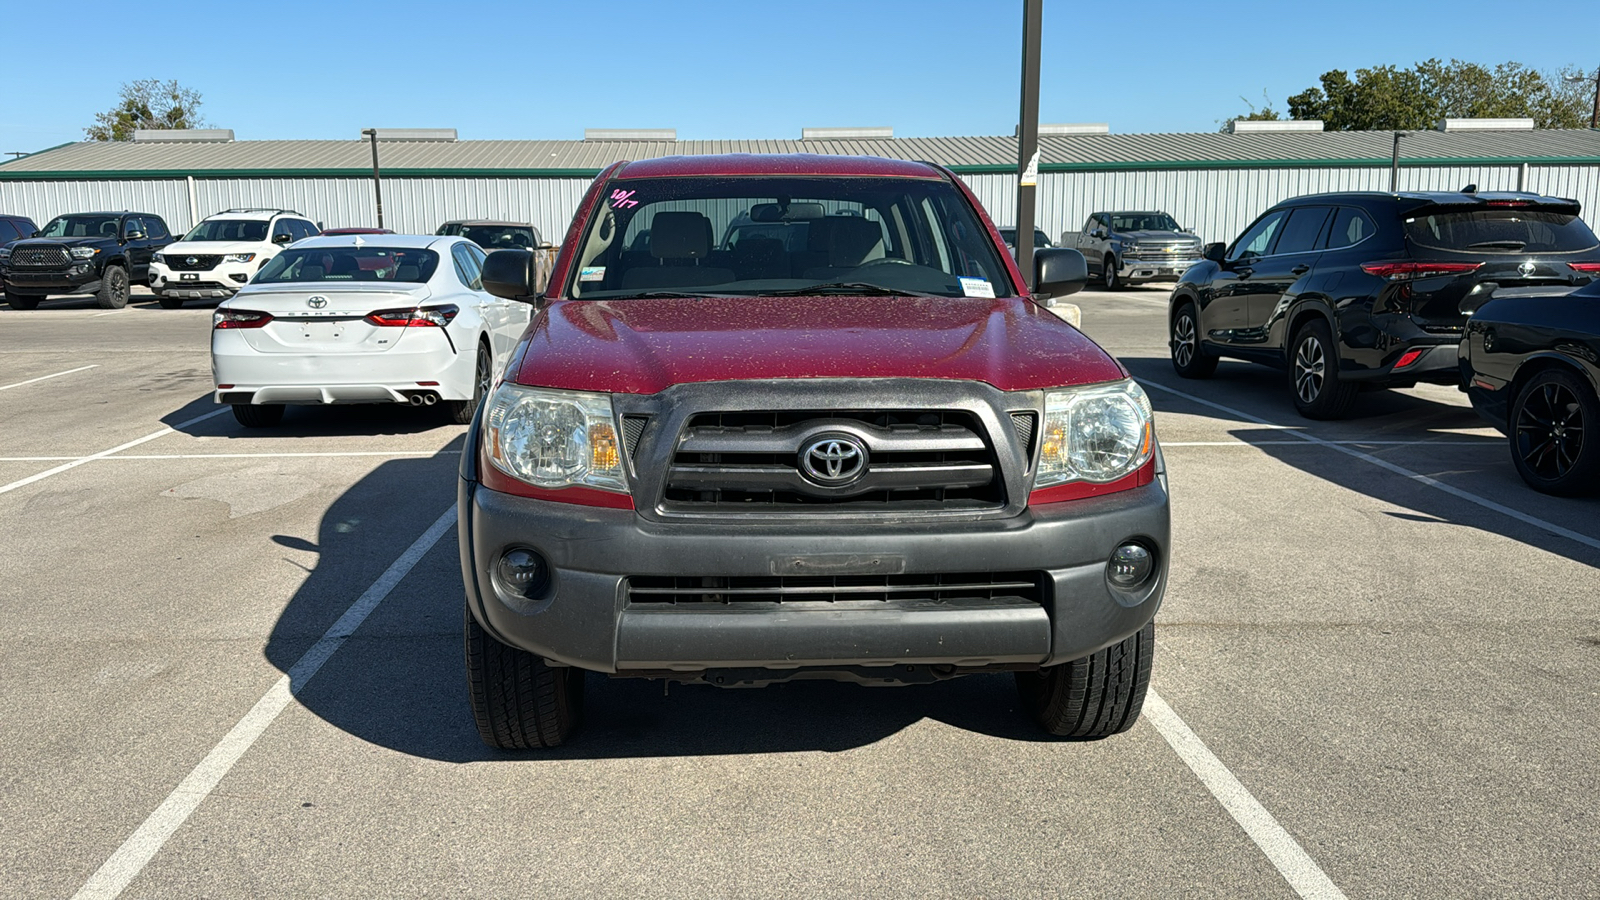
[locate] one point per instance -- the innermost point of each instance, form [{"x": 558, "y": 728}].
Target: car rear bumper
[
  {"x": 1438, "y": 364},
  {"x": 585, "y": 617},
  {"x": 422, "y": 361}
]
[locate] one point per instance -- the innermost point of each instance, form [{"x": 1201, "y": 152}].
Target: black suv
[
  {"x": 1345, "y": 290},
  {"x": 83, "y": 253}
]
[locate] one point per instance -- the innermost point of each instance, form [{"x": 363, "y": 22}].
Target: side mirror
[
  {"x": 282, "y": 238},
  {"x": 134, "y": 236},
  {"x": 1059, "y": 271},
  {"x": 1216, "y": 252},
  {"x": 512, "y": 274}
]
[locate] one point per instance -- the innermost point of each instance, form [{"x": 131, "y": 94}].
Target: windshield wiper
[
  {"x": 864, "y": 288},
  {"x": 1506, "y": 245}
]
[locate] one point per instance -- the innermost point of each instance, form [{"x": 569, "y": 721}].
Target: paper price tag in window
[
  {"x": 592, "y": 273},
  {"x": 976, "y": 287}
]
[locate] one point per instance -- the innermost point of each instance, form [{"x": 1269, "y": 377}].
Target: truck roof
[{"x": 796, "y": 164}]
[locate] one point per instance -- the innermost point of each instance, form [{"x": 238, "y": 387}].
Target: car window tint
[
  {"x": 1300, "y": 233},
  {"x": 1258, "y": 240},
  {"x": 132, "y": 224},
  {"x": 158, "y": 228},
  {"x": 310, "y": 228},
  {"x": 8, "y": 232},
  {"x": 1350, "y": 226},
  {"x": 1501, "y": 230},
  {"x": 466, "y": 267}
]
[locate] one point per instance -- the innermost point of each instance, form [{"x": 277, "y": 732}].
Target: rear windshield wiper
[
  {"x": 848, "y": 287},
  {"x": 1497, "y": 245}
]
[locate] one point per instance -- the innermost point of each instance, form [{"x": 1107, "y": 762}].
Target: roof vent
[
  {"x": 630, "y": 134},
  {"x": 1056, "y": 129},
  {"x": 1254, "y": 126},
  {"x": 163, "y": 135},
  {"x": 1485, "y": 125},
  {"x": 840, "y": 134},
  {"x": 413, "y": 134}
]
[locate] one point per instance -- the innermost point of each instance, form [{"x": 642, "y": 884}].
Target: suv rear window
[{"x": 1501, "y": 231}]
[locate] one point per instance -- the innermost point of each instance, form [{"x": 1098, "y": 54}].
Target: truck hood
[
  {"x": 645, "y": 346},
  {"x": 90, "y": 240},
  {"x": 1159, "y": 237}
]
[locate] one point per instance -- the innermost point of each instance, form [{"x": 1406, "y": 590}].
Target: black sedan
[{"x": 1531, "y": 364}]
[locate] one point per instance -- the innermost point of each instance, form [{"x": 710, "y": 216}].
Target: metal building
[{"x": 1213, "y": 183}]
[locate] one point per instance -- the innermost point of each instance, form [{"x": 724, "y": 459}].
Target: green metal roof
[{"x": 968, "y": 155}]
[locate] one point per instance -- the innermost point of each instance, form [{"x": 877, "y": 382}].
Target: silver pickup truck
[{"x": 1134, "y": 247}]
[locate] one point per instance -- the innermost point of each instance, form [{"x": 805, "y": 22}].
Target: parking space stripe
[
  {"x": 1287, "y": 856},
  {"x": 129, "y": 860},
  {"x": 105, "y": 453},
  {"x": 1452, "y": 490},
  {"x": 48, "y": 377},
  {"x": 1236, "y": 443},
  {"x": 309, "y": 455}
]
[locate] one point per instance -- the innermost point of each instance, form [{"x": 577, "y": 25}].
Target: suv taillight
[
  {"x": 239, "y": 318},
  {"x": 421, "y": 317},
  {"x": 1409, "y": 271},
  {"x": 1585, "y": 268}
]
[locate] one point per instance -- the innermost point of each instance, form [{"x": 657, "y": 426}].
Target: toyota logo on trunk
[
  {"x": 317, "y": 302},
  {"x": 833, "y": 460},
  {"x": 1526, "y": 269}
]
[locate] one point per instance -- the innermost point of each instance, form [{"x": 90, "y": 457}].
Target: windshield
[
  {"x": 229, "y": 230},
  {"x": 81, "y": 226},
  {"x": 324, "y": 264},
  {"x": 1143, "y": 222},
  {"x": 499, "y": 237},
  {"x": 786, "y": 236},
  {"x": 1501, "y": 231}
]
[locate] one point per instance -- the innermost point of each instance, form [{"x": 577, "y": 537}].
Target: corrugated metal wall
[{"x": 1216, "y": 203}]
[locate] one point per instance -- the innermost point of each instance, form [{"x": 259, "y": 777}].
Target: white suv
[{"x": 220, "y": 254}]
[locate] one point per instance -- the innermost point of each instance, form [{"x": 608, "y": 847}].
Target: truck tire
[
  {"x": 113, "y": 288},
  {"x": 264, "y": 415},
  {"x": 1109, "y": 274},
  {"x": 519, "y": 702},
  {"x": 23, "y": 301},
  {"x": 1189, "y": 356},
  {"x": 1555, "y": 444},
  {"x": 1094, "y": 697},
  {"x": 1314, "y": 382}
]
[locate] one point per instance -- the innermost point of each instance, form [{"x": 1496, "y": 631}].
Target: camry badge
[
  {"x": 317, "y": 302},
  {"x": 1526, "y": 269},
  {"x": 833, "y": 460}
]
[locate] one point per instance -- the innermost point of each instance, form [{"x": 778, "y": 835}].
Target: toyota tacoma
[{"x": 871, "y": 456}]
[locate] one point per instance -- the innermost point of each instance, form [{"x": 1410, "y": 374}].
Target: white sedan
[{"x": 363, "y": 319}]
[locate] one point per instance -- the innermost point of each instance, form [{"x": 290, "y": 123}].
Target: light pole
[
  {"x": 377, "y": 187},
  {"x": 1394, "y": 164},
  {"x": 1028, "y": 134},
  {"x": 1594, "y": 120}
]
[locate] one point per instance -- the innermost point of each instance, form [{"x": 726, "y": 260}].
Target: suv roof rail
[{"x": 270, "y": 209}]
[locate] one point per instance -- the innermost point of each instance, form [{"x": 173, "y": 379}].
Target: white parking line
[
  {"x": 241, "y": 455},
  {"x": 1452, "y": 490},
  {"x": 1287, "y": 856},
  {"x": 1236, "y": 443},
  {"x": 129, "y": 860},
  {"x": 105, "y": 453},
  {"x": 48, "y": 377}
]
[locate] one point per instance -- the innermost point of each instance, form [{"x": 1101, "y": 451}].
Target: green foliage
[
  {"x": 1387, "y": 98},
  {"x": 147, "y": 103}
]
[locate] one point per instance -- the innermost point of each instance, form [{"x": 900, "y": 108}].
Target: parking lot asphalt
[{"x": 1384, "y": 647}]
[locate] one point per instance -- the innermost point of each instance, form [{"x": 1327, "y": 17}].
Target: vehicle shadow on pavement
[
  {"x": 400, "y": 681},
  {"x": 341, "y": 420}
]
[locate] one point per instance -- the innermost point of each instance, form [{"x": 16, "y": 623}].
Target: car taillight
[
  {"x": 1409, "y": 357},
  {"x": 239, "y": 318},
  {"x": 1410, "y": 271},
  {"x": 1508, "y": 203},
  {"x": 1585, "y": 268},
  {"x": 420, "y": 317}
]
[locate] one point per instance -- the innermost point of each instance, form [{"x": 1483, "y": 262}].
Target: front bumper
[
  {"x": 217, "y": 283},
  {"x": 1139, "y": 271},
  {"x": 77, "y": 279},
  {"x": 585, "y": 619}
]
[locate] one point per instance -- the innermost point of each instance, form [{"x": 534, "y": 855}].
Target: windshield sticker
[
  {"x": 976, "y": 287},
  {"x": 592, "y": 273},
  {"x": 620, "y": 199}
]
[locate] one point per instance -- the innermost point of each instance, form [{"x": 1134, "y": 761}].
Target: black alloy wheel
[
  {"x": 462, "y": 411},
  {"x": 1319, "y": 392},
  {"x": 113, "y": 288},
  {"x": 1109, "y": 275},
  {"x": 1552, "y": 440},
  {"x": 1189, "y": 359}
]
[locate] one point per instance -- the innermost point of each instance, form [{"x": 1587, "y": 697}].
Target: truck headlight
[
  {"x": 1098, "y": 433},
  {"x": 5, "y": 253},
  {"x": 84, "y": 252},
  {"x": 238, "y": 257},
  {"x": 554, "y": 439}
]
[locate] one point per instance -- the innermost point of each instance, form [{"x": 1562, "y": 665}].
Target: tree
[
  {"x": 147, "y": 103},
  {"x": 1387, "y": 98}
]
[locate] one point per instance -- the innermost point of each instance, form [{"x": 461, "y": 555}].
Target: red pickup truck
[{"x": 852, "y": 445}]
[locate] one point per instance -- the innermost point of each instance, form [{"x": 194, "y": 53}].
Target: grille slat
[
  {"x": 770, "y": 589},
  {"x": 47, "y": 256}
]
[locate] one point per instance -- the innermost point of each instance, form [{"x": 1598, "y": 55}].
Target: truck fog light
[
  {"x": 522, "y": 571},
  {"x": 1130, "y": 566}
]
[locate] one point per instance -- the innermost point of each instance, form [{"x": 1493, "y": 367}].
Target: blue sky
[{"x": 289, "y": 69}]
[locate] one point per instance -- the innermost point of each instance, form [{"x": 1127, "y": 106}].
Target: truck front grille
[
  {"x": 45, "y": 257},
  {"x": 1162, "y": 252},
  {"x": 915, "y": 459},
  {"x": 194, "y": 262},
  {"x": 765, "y": 589}
]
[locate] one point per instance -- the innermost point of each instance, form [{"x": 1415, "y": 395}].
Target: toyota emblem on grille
[
  {"x": 833, "y": 460},
  {"x": 191, "y": 261},
  {"x": 317, "y": 302},
  {"x": 1526, "y": 269}
]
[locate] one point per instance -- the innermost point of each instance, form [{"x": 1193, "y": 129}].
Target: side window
[
  {"x": 155, "y": 228},
  {"x": 1350, "y": 226},
  {"x": 282, "y": 226},
  {"x": 467, "y": 268},
  {"x": 1300, "y": 233},
  {"x": 1257, "y": 241},
  {"x": 310, "y": 228},
  {"x": 8, "y": 231},
  {"x": 132, "y": 224}
]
